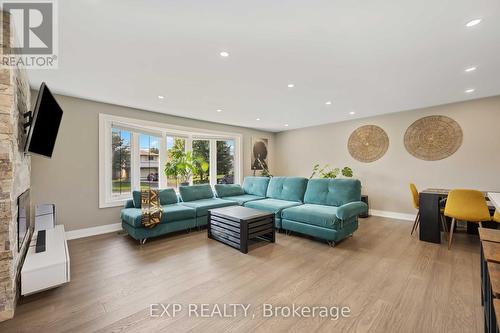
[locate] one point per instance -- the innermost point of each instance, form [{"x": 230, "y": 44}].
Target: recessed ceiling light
[
  {"x": 219, "y": 110},
  {"x": 224, "y": 54},
  {"x": 257, "y": 119},
  {"x": 473, "y": 23},
  {"x": 286, "y": 125},
  {"x": 470, "y": 69},
  {"x": 291, "y": 85},
  {"x": 161, "y": 97},
  {"x": 352, "y": 112},
  {"x": 470, "y": 91},
  {"x": 329, "y": 103}
]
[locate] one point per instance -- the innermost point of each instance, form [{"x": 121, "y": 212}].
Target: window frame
[{"x": 161, "y": 130}]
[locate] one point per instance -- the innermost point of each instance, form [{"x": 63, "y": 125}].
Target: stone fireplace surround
[{"x": 14, "y": 175}]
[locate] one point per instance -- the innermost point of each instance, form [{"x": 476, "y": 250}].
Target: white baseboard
[
  {"x": 393, "y": 215},
  {"x": 104, "y": 229},
  {"x": 87, "y": 232}
]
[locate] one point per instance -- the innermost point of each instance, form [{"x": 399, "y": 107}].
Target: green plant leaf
[{"x": 347, "y": 172}]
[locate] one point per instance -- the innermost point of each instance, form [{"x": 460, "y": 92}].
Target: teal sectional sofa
[
  {"x": 176, "y": 216},
  {"x": 330, "y": 210},
  {"x": 201, "y": 198},
  {"x": 253, "y": 188},
  {"x": 323, "y": 208},
  {"x": 282, "y": 193}
]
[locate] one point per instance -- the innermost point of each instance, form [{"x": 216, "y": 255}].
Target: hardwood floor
[{"x": 392, "y": 283}]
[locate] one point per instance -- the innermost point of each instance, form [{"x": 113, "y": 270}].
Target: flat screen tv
[{"x": 45, "y": 123}]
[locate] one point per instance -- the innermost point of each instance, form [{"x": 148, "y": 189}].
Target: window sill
[{"x": 114, "y": 203}]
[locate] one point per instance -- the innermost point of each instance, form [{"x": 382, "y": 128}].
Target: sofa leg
[
  {"x": 331, "y": 243},
  {"x": 143, "y": 241}
]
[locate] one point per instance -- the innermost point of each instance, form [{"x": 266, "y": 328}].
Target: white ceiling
[{"x": 371, "y": 57}]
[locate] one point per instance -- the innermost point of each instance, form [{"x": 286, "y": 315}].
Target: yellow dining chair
[
  {"x": 416, "y": 205},
  {"x": 466, "y": 205},
  {"x": 496, "y": 217}
]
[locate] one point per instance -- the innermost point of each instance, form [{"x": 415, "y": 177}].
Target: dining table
[{"x": 429, "y": 209}]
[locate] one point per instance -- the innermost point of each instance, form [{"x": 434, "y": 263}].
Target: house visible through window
[{"x": 149, "y": 152}]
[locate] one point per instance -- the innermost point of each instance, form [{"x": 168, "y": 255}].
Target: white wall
[{"x": 475, "y": 165}]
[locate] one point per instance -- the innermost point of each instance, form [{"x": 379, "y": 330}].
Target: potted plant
[
  {"x": 183, "y": 165},
  {"x": 327, "y": 171}
]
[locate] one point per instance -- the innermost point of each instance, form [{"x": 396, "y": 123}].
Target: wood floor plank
[{"x": 391, "y": 281}]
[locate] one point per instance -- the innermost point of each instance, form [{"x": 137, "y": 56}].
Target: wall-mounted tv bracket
[{"x": 28, "y": 116}]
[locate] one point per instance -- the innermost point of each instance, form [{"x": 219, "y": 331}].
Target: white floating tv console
[{"x": 48, "y": 269}]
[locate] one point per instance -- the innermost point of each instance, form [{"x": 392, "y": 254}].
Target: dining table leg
[{"x": 429, "y": 218}]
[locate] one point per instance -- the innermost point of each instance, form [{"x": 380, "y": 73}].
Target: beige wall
[
  {"x": 70, "y": 178},
  {"x": 475, "y": 165}
]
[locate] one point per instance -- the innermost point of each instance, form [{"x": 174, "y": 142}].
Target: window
[
  {"x": 149, "y": 151},
  {"x": 136, "y": 154},
  {"x": 176, "y": 147},
  {"x": 201, "y": 158},
  {"x": 120, "y": 174},
  {"x": 225, "y": 161}
]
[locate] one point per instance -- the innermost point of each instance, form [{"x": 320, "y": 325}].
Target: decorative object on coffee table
[
  {"x": 237, "y": 225},
  {"x": 368, "y": 143},
  {"x": 433, "y": 138}
]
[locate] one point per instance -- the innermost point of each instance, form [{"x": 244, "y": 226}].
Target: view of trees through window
[
  {"x": 201, "y": 151},
  {"x": 180, "y": 165},
  {"x": 120, "y": 164},
  {"x": 225, "y": 162},
  {"x": 176, "y": 148}
]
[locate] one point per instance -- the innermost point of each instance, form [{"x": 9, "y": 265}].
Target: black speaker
[{"x": 364, "y": 198}]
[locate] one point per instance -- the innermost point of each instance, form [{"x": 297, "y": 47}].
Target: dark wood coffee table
[{"x": 236, "y": 225}]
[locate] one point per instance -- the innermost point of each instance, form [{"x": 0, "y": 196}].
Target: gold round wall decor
[
  {"x": 368, "y": 143},
  {"x": 433, "y": 138}
]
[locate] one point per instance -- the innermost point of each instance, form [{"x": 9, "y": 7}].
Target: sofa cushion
[
  {"x": 318, "y": 215},
  {"x": 228, "y": 190},
  {"x": 136, "y": 197},
  {"x": 202, "y": 206},
  {"x": 171, "y": 213},
  {"x": 332, "y": 192},
  {"x": 241, "y": 199},
  {"x": 167, "y": 197},
  {"x": 256, "y": 185},
  {"x": 272, "y": 205},
  {"x": 195, "y": 192},
  {"x": 287, "y": 188}
]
